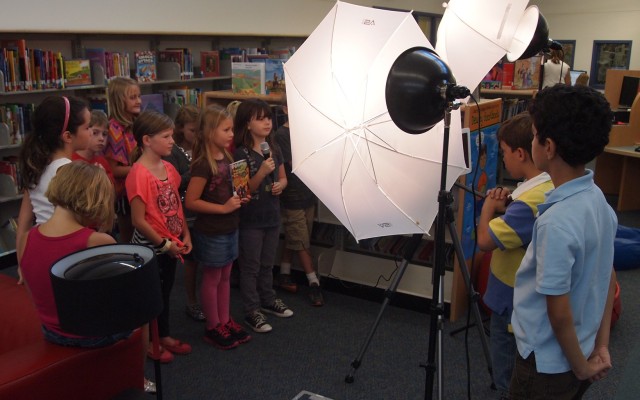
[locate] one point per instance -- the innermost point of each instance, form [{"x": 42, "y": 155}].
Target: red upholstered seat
[{"x": 31, "y": 368}]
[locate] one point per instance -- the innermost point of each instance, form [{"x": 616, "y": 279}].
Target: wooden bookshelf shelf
[{"x": 224, "y": 97}]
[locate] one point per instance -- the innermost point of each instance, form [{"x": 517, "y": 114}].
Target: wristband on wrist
[
  {"x": 161, "y": 245},
  {"x": 166, "y": 247}
]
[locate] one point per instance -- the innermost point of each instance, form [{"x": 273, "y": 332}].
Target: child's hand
[
  {"x": 246, "y": 199},
  {"x": 267, "y": 166},
  {"x": 600, "y": 356},
  {"x": 187, "y": 247},
  {"x": 233, "y": 204},
  {"x": 498, "y": 193},
  {"x": 175, "y": 250},
  {"x": 276, "y": 188},
  {"x": 496, "y": 200}
]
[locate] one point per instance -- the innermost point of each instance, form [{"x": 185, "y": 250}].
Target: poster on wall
[{"x": 484, "y": 158}]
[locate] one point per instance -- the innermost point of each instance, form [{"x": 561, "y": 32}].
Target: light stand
[
  {"x": 445, "y": 200},
  {"x": 420, "y": 90},
  {"x": 445, "y": 218}
]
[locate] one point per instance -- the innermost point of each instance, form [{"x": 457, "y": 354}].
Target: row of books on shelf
[
  {"x": 9, "y": 176},
  {"x": 513, "y": 107},
  {"x": 519, "y": 75},
  {"x": 27, "y": 69},
  {"x": 15, "y": 121},
  {"x": 161, "y": 102}
]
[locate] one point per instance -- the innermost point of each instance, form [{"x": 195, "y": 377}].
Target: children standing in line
[
  {"x": 215, "y": 232},
  {"x": 508, "y": 236},
  {"x": 156, "y": 212},
  {"x": 184, "y": 134},
  {"x": 60, "y": 127},
  {"x": 565, "y": 286},
  {"x": 298, "y": 208},
  {"x": 93, "y": 153},
  {"x": 124, "y": 107},
  {"x": 260, "y": 219}
]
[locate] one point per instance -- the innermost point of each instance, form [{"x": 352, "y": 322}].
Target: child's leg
[
  {"x": 224, "y": 293},
  {"x": 503, "y": 351},
  {"x": 190, "y": 278},
  {"x": 209, "y": 295},
  {"x": 251, "y": 242},
  {"x": 167, "y": 267},
  {"x": 264, "y": 282}
]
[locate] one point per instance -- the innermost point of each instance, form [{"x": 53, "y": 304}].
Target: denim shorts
[{"x": 215, "y": 250}]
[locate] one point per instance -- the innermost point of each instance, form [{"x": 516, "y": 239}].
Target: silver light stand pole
[
  {"x": 445, "y": 218},
  {"x": 437, "y": 309}
]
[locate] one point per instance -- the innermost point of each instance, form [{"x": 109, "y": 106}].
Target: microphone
[{"x": 266, "y": 153}]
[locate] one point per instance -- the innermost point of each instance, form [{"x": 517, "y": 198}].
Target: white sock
[
  {"x": 285, "y": 268},
  {"x": 313, "y": 279}
]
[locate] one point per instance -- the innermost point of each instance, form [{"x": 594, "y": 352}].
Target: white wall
[
  {"x": 258, "y": 17},
  {"x": 587, "y": 20},
  {"x": 580, "y": 20}
]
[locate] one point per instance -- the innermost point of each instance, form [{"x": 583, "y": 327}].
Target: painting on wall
[
  {"x": 569, "y": 49},
  {"x": 608, "y": 54}
]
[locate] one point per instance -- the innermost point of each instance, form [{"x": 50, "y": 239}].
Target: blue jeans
[{"x": 502, "y": 347}]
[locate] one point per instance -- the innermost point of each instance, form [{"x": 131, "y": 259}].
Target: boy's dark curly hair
[{"x": 577, "y": 118}]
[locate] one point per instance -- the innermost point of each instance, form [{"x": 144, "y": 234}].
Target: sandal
[
  {"x": 178, "y": 348},
  {"x": 165, "y": 355}
]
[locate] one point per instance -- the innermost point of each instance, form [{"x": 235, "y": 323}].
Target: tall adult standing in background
[{"x": 556, "y": 71}]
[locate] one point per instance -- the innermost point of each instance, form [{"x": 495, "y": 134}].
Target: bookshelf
[
  {"x": 9, "y": 206},
  {"x": 73, "y": 45}
]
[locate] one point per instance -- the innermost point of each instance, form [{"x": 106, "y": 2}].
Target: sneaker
[
  {"x": 220, "y": 337},
  {"x": 278, "y": 308},
  {"x": 236, "y": 331},
  {"x": 315, "y": 294},
  {"x": 258, "y": 322},
  {"x": 284, "y": 282},
  {"x": 195, "y": 312}
]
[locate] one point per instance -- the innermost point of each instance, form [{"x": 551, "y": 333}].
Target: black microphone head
[{"x": 266, "y": 151}]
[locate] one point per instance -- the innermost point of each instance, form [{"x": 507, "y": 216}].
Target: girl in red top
[
  {"x": 83, "y": 196},
  {"x": 156, "y": 211}
]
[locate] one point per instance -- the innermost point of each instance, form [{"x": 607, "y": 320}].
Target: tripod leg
[
  {"x": 411, "y": 247},
  {"x": 473, "y": 295}
]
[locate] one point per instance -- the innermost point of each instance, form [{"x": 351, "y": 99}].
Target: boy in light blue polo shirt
[{"x": 564, "y": 287}]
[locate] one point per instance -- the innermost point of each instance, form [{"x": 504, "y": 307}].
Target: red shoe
[
  {"x": 178, "y": 347},
  {"x": 165, "y": 356}
]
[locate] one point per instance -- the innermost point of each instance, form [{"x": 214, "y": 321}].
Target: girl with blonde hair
[
  {"x": 215, "y": 231},
  {"x": 124, "y": 106}
]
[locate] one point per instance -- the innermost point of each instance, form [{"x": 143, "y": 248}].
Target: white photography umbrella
[
  {"x": 474, "y": 35},
  {"x": 375, "y": 178}
]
